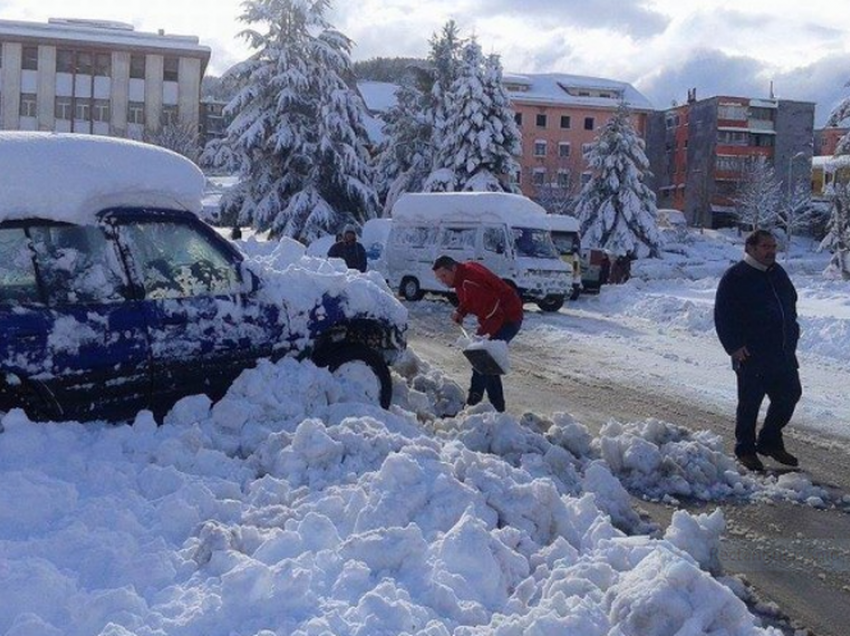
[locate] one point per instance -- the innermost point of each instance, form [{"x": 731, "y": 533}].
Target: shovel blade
[{"x": 483, "y": 362}]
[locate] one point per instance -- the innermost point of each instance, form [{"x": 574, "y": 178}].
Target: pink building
[{"x": 558, "y": 116}]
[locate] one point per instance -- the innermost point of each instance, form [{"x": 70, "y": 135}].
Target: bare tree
[{"x": 757, "y": 197}]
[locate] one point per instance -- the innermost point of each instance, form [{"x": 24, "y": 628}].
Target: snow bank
[{"x": 287, "y": 508}]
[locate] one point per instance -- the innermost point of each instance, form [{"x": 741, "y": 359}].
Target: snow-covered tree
[
  {"x": 616, "y": 209},
  {"x": 405, "y": 155},
  {"x": 837, "y": 238},
  {"x": 297, "y": 138},
  {"x": 445, "y": 57},
  {"x": 758, "y": 196},
  {"x": 182, "y": 138},
  {"x": 478, "y": 139},
  {"x": 798, "y": 212}
]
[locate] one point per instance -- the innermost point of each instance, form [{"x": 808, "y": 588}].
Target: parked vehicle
[
  {"x": 567, "y": 240},
  {"x": 115, "y": 296},
  {"x": 595, "y": 269},
  {"x": 507, "y": 233}
]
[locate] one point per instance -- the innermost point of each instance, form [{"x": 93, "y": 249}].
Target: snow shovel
[{"x": 480, "y": 355}]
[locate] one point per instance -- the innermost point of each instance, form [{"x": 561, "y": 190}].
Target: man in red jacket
[{"x": 498, "y": 308}]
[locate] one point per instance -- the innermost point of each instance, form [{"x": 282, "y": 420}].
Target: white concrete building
[{"x": 97, "y": 77}]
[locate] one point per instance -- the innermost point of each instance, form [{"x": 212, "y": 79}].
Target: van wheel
[
  {"x": 410, "y": 290},
  {"x": 551, "y": 303},
  {"x": 363, "y": 369}
]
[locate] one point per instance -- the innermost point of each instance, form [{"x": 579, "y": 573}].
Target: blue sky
[{"x": 663, "y": 47}]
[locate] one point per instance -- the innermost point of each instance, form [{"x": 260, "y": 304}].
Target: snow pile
[
  {"x": 287, "y": 508},
  {"x": 300, "y": 283},
  {"x": 663, "y": 462}
]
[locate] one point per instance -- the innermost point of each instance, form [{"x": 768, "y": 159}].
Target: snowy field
[{"x": 290, "y": 508}]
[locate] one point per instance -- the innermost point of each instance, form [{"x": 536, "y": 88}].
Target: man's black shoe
[
  {"x": 751, "y": 462},
  {"x": 474, "y": 398},
  {"x": 781, "y": 455}
]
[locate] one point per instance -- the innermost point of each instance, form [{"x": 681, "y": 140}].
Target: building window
[
  {"x": 563, "y": 149},
  {"x": 82, "y": 109},
  {"x": 64, "y": 61},
  {"x": 62, "y": 108},
  {"x": 735, "y": 112},
  {"x": 100, "y": 110},
  {"x": 518, "y": 177},
  {"x": 84, "y": 63},
  {"x": 541, "y": 120},
  {"x": 29, "y": 59},
  {"x": 585, "y": 149},
  {"x": 585, "y": 178},
  {"x": 538, "y": 177},
  {"x": 518, "y": 119},
  {"x": 563, "y": 178},
  {"x": 588, "y": 123},
  {"x": 137, "y": 66},
  {"x": 136, "y": 113},
  {"x": 102, "y": 64},
  {"x": 28, "y": 105},
  {"x": 170, "y": 68},
  {"x": 539, "y": 148},
  {"x": 565, "y": 121},
  {"x": 169, "y": 115}
]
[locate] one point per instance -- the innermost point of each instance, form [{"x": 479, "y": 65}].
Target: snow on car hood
[
  {"x": 72, "y": 177},
  {"x": 301, "y": 283}
]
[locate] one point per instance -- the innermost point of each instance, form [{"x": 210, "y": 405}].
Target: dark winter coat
[
  {"x": 483, "y": 294},
  {"x": 758, "y": 309},
  {"x": 352, "y": 253}
]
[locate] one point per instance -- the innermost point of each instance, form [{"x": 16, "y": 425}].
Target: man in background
[
  {"x": 755, "y": 315},
  {"x": 349, "y": 250},
  {"x": 498, "y": 308}
]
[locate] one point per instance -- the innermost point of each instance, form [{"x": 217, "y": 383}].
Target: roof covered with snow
[
  {"x": 72, "y": 177},
  {"x": 379, "y": 96},
  {"x": 562, "y": 223},
  {"x": 473, "y": 206},
  {"x": 102, "y": 32},
  {"x": 573, "y": 90}
]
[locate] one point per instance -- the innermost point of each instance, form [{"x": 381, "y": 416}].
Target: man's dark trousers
[
  {"x": 492, "y": 384},
  {"x": 782, "y": 387}
]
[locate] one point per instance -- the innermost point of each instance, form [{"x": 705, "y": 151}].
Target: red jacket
[{"x": 483, "y": 294}]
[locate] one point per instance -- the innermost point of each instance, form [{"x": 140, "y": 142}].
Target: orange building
[{"x": 559, "y": 116}]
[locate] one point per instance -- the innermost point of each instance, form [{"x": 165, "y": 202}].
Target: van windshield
[
  {"x": 566, "y": 242},
  {"x": 534, "y": 243}
]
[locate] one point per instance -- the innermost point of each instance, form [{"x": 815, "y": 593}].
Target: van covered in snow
[{"x": 507, "y": 233}]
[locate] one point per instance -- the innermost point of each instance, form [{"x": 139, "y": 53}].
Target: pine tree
[
  {"x": 615, "y": 208},
  {"x": 405, "y": 155},
  {"x": 297, "y": 137},
  {"x": 480, "y": 138}
]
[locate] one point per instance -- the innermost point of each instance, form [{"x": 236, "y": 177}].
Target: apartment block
[
  {"x": 98, "y": 77},
  {"x": 699, "y": 151},
  {"x": 559, "y": 116}
]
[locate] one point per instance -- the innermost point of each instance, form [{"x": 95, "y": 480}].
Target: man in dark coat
[
  {"x": 498, "y": 308},
  {"x": 349, "y": 250},
  {"x": 755, "y": 315}
]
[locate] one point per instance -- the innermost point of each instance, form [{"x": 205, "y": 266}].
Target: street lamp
[
  {"x": 791, "y": 160},
  {"x": 789, "y": 221}
]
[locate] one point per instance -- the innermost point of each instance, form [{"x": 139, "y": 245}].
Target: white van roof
[
  {"x": 513, "y": 209},
  {"x": 71, "y": 177},
  {"x": 562, "y": 223}
]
